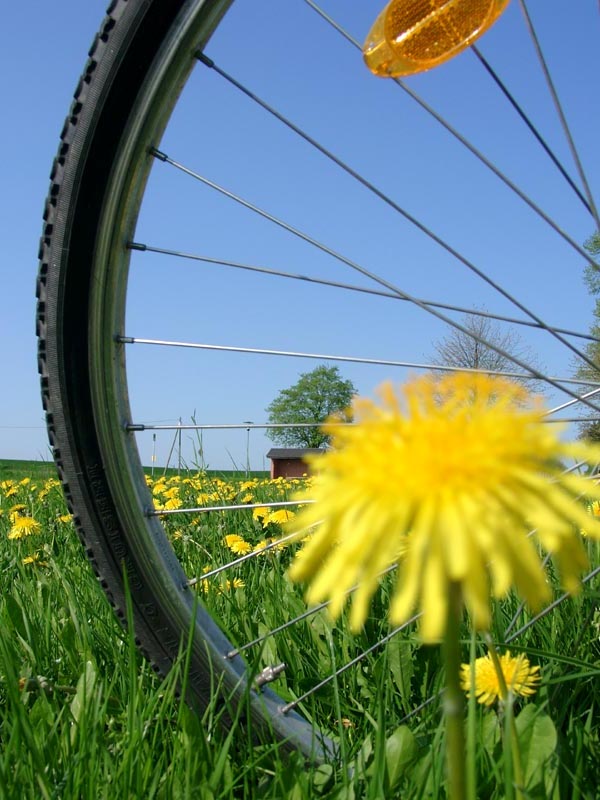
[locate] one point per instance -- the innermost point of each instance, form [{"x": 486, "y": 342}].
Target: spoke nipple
[
  {"x": 158, "y": 153},
  {"x": 204, "y": 59},
  {"x": 268, "y": 674}
]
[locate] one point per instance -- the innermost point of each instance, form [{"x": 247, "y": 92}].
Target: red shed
[{"x": 288, "y": 462}]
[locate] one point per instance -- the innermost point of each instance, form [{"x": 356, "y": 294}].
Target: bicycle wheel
[
  {"x": 139, "y": 64},
  {"x": 140, "y": 58}
]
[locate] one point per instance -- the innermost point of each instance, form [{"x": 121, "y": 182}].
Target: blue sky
[{"x": 287, "y": 55}]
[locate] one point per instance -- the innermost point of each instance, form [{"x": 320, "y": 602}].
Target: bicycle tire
[{"x": 137, "y": 65}]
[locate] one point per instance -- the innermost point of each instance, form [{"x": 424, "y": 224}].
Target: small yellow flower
[
  {"x": 35, "y": 559},
  {"x": 203, "y": 585},
  {"x": 520, "y": 678},
  {"x": 594, "y": 509},
  {"x": 65, "y": 519},
  {"x": 260, "y": 513},
  {"x": 237, "y": 544},
  {"x": 15, "y": 512},
  {"x": 236, "y": 583},
  {"x": 173, "y": 502},
  {"x": 456, "y": 472},
  {"x": 23, "y": 526},
  {"x": 279, "y": 517}
]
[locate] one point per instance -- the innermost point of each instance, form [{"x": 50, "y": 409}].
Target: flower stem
[
  {"x": 507, "y": 698},
  {"x": 471, "y": 726},
  {"x": 454, "y": 700}
]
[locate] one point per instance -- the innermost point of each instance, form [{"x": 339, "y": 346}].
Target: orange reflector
[{"x": 415, "y": 35}]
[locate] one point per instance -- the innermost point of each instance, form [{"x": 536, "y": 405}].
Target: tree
[
  {"x": 314, "y": 397},
  {"x": 590, "y": 429},
  {"x": 468, "y": 350}
]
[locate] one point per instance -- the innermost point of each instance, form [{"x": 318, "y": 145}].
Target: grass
[
  {"x": 16, "y": 469},
  {"x": 13, "y": 469},
  {"x": 83, "y": 716}
]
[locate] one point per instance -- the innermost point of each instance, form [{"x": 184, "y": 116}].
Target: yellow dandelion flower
[
  {"x": 203, "y": 585},
  {"x": 260, "y": 513},
  {"x": 279, "y": 517},
  {"x": 236, "y": 583},
  {"x": 520, "y": 678},
  {"x": 35, "y": 560},
  {"x": 5, "y": 485},
  {"x": 15, "y": 511},
  {"x": 261, "y": 545},
  {"x": 457, "y": 471},
  {"x": 172, "y": 502},
  {"x": 11, "y": 491},
  {"x": 237, "y": 544},
  {"x": 23, "y": 526},
  {"x": 25, "y": 482},
  {"x": 65, "y": 519}
]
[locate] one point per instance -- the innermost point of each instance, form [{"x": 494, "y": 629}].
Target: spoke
[
  {"x": 289, "y": 706},
  {"x": 550, "y": 608},
  {"x": 583, "y": 399},
  {"x": 308, "y": 613},
  {"x": 260, "y": 639},
  {"x": 421, "y": 706},
  {"x": 138, "y": 426},
  {"x": 558, "y": 383},
  {"x": 572, "y": 419},
  {"x": 168, "y": 512},
  {"x": 378, "y": 279},
  {"x": 237, "y": 561},
  {"x": 493, "y": 74},
  {"x": 522, "y": 604},
  {"x": 560, "y": 112},
  {"x": 354, "y": 288}
]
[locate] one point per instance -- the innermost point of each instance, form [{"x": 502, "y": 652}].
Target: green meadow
[{"x": 83, "y": 716}]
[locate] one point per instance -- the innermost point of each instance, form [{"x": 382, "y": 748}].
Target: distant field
[{"x": 14, "y": 469}]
